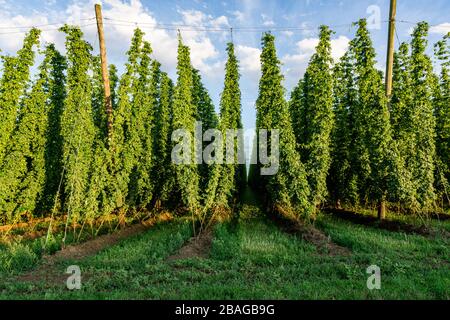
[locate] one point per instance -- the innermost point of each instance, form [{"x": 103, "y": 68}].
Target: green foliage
[
  {"x": 228, "y": 179},
  {"x": 297, "y": 105},
  {"x": 442, "y": 112},
  {"x": 256, "y": 260},
  {"x": 14, "y": 81},
  {"x": 207, "y": 116},
  {"x": 311, "y": 109},
  {"x": 102, "y": 186},
  {"x": 163, "y": 172},
  {"x": 288, "y": 188},
  {"x": 422, "y": 119},
  {"x": 373, "y": 151},
  {"x": 14, "y": 160},
  {"x": 54, "y": 142},
  {"x": 132, "y": 125},
  {"x": 415, "y": 122},
  {"x": 122, "y": 156},
  {"x": 98, "y": 96},
  {"x": 77, "y": 125},
  {"x": 184, "y": 116},
  {"x": 342, "y": 179},
  {"x": 400, "y": 108},
  {"x": 23, "y": 175},
  {"x": 141, "y": 123},
  {"x": 338, "y": 131},
  {"x": 54, "y": 154},
  {"x": 16, "y": 257},
  {"x": 401, "y": 90},
  {"x": 202, "y": 101},
  {"x": 113, "y": 84},
  {"x": 100, "y": 200}
]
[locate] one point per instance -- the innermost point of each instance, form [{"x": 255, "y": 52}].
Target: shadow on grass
[
  {"x": 309, "y": 233},
  {"x": 389, "y": 225}
]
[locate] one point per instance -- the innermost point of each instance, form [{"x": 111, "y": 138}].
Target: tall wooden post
[
  {"x": 105, "y": 74},
  {"x": 389, "y": 70},
  {"x": 390, "y": 48}
]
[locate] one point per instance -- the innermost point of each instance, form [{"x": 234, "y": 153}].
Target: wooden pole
[
  {"x": 105, "y": 74},
  {"x": 390, "y": 48},
  {"x": 389, "y": 69}
]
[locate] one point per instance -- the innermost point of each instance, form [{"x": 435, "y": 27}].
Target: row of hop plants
[
  {"x": 343, "y": 143},
  {"x": 56, "y": 158}
]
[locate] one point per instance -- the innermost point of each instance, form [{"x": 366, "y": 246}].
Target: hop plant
[
  {"x": 13, "y": 84},
  {"x": 24, "y": 168},
  {"x": 342, "y": 180},
  {"x": 288, "y": 189},
  {"x": 311, "y": 109},
  {"x": 442, "y": 112},
  {"x": 227, "y": 180},
  {"x": 77, "y": 124},
  {"x": 184, "y": 116}
]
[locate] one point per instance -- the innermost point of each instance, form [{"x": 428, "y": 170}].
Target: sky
[{"x": 206, "y": 28}]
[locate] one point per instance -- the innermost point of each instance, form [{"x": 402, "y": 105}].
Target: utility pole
[
  {"x": 390, "y": 48},
  {"x": 389, "y": 69},
  {"x": 105, "y": 74}
]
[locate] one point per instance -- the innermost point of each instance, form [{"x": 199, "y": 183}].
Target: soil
[
  {"x": 311, "y": 234},
  {"x": 91, "y": 247},
  {"x": 47, "y": 271},
  {"x": 196, "y": 247},
  {"x": 290, "y": 224}
]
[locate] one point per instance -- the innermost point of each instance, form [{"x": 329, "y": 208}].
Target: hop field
[{"x": 349, "y": 173}]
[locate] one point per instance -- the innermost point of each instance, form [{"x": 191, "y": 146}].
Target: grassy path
[{"x": 252, "y": 258}]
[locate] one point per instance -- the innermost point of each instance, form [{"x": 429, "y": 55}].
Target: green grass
[{"x": 253, "y": 259}]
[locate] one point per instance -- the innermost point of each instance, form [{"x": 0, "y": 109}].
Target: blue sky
[{"x": 208, "y": 48}]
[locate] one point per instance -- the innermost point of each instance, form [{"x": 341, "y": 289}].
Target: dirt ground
[
  {"x": 47, "y": 271},
  {"x": 313, "y": 235},
  {"x": 197, "y": 247}
]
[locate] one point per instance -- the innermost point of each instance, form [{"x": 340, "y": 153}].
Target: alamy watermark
[
  {"x": 374, "y": 280},
  {"x": 73, "y": 282},
  {"x": 374, "y": 18}
]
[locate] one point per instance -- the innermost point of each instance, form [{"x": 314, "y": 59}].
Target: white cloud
[
  {"x": 238, "y": 15},
  {"x": 295, "y": 64},
  {"x": 308, "y": 44},
  {"x": 193, "y": 17},
  {"x": 203, "y": 51},
  {"x": 14, "y": 28},
  {"x": 307, "y": 47},
  {"x": 287, "y": 33},
  {"x": 248, "y": 58},
  {"x": 267, "y": 21},
  {"x": 200, "y": 19},
  {"x": 442, "y": 28},
  {"x": 118, "y": 33},
  {"x": 220, "y": 22},
  {"x": 339, "y": 46}
]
